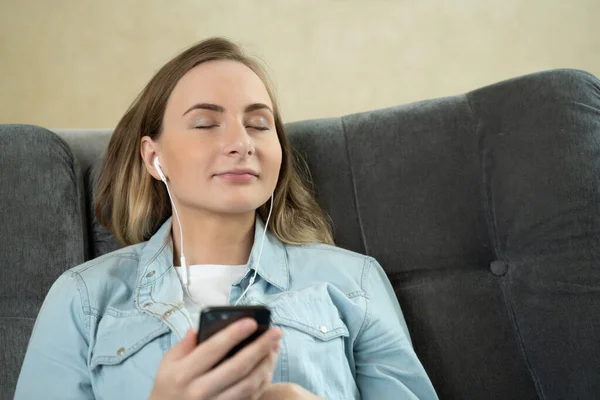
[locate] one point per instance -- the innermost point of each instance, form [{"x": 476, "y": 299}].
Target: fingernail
[{"x": 276, "y": 347}]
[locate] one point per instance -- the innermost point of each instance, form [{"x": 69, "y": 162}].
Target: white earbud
[{"x": 159, "y": 169}]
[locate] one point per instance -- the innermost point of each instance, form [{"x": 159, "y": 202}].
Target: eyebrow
[{"x": 217, "y": 108}]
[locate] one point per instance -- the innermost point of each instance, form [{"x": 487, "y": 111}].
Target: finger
[
  {"x": 208, "y": 353},
  {"x": 268, "y": 375},
  {"x": 237, "y": 368},
  {"x": 274, "y": 356},
  {"x": 184, "y": 347},
  {"x": 252, "y": 386}
]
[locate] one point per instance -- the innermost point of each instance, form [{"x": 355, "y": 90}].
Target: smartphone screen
[{"x": 213, "y": 319}]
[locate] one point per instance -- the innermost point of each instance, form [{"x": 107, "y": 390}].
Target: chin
[
  {"x": 231, "y": 202},
  {"x": 238, "y": 210},
  {"x": 238, "y": 206}
]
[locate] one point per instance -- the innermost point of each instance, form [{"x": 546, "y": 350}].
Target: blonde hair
[{"x": 131, "y": 204}]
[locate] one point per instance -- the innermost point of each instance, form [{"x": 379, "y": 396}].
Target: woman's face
[{"x": 219, "y": 148}]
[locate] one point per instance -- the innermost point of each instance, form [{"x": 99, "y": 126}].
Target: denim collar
[{"x": 159, "y": 290}]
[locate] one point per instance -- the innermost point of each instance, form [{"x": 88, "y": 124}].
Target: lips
[
  {"x": 238, "y": 176},
  {"x": 242, "y": 171}
]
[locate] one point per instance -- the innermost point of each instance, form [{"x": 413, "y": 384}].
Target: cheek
[
  {"x": 274, "y": 160},
  {"x": 198, "y": 156},
  {"x": 189, "y": 170}
]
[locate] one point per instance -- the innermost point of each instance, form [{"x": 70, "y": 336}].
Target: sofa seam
[
  {"x": 490, "y": 217},
  {"x": 89, "y": 213},
  {"x": 354, "y": 190},
  {"x": 491, "y": 221},
  {"x": 511, "y": 312}
]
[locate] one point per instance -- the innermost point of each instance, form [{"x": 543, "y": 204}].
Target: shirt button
[
  {"x": 147, "y": 305},
  {"x": 150, "y": 274},
  {"x": 323, "y": 328},
  {"x": 121, "y": 351},
  {"x": 168, "y": 313}
]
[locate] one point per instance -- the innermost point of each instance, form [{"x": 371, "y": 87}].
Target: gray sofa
[{"x": 483, "y": 208}]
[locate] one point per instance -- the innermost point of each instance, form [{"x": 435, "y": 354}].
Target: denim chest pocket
[
  {"x": 119, "y": 338},
  {"x": 314, "y": 344},
  {"x": 126, "y": 355},
  {"x": 317, "y": 319}
]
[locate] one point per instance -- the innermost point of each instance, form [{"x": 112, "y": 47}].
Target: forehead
[{"x": 224, "y": 82}]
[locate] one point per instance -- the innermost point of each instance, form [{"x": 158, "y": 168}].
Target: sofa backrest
[{"x": 483, "y": 208}]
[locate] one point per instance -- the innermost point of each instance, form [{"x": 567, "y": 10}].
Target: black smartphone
[{"x": 213, "y": 319}]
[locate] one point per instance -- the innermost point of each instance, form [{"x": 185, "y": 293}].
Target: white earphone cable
[
  {"x": 182, "y": 258},
  {"x": 257, "y": 263}
]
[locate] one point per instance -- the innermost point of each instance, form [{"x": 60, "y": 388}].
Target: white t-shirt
[{"x": 208, "y": 285}]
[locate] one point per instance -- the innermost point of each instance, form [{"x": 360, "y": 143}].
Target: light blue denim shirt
[{"x": 105, "y": 325}]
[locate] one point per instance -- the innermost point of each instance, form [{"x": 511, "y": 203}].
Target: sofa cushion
[
  {"x": 415, "y": 192},
  {"x": 41, "y": 231},
  {"x": 541, "y": 184},
  {"x": 88, "y": 146},
  {"x": 321, "y": 145},
  {"x": 484, "y": 209}
]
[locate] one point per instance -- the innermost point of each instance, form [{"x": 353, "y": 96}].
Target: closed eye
[
  {"x": 258, "y": 128},
  {"x": 205, "y": 126}
]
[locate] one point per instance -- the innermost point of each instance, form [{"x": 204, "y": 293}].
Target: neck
[{"x": 221, "y": 239}]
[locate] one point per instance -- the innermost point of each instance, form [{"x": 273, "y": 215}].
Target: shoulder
[
  {"x": 330, "y": 263},
  {"x": 107, "y": 263},
  {"x": 95, "y": 281},
  {"x": 125, "y": 256}
]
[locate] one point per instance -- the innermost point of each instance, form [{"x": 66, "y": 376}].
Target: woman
[{"x": 204, "y": 141}]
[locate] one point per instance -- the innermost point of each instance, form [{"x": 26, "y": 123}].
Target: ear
[{"x": 149, "y": 150}]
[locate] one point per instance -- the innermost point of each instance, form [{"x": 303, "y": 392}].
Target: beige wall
[{"x": 79, "y": 63}]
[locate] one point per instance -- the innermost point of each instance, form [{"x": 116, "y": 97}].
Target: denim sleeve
[
  {"x": 386, "y": 364},
  {"x": 55, "y": 364}
]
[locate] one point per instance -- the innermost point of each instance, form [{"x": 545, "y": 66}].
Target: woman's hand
[
  {"x": 287, "y": 391},
  {"x": 186, "y": 371}
]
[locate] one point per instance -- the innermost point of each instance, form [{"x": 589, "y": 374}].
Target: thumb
[{"x": 184, "y": 346}]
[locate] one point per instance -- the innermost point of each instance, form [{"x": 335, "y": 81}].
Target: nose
[{"x": 238, "y": 142}]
